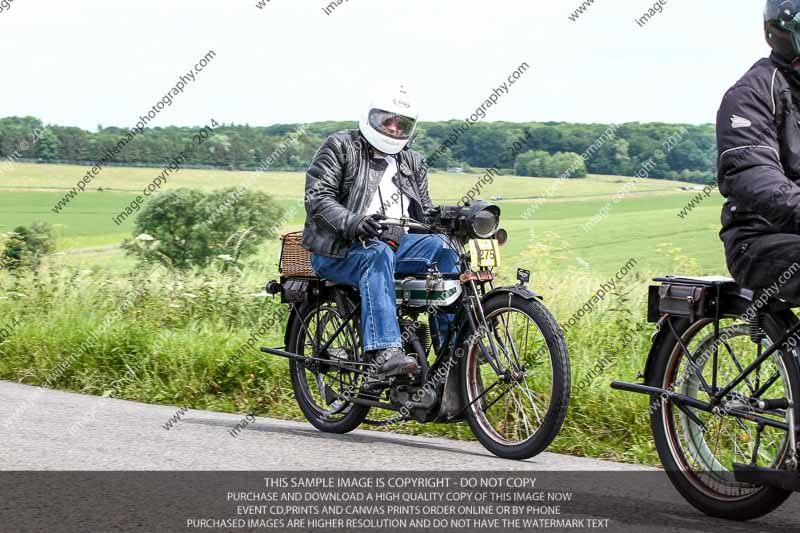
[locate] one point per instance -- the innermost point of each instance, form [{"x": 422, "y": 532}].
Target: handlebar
[
  {"x": 403, "y": 223},
  {"x": 408, "y": 223}
]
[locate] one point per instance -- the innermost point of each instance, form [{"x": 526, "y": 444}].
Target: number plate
[{"x": 485, "y": 252}]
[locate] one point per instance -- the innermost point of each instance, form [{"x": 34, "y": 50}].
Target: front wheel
[{"x": 517, "y": 413}]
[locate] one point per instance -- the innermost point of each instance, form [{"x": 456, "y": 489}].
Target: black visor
[{"x": 391, "y": 124}]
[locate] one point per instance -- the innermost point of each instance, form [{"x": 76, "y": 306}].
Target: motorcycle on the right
[{"x": 723, "y": 374}]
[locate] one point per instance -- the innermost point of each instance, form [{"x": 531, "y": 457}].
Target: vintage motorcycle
[
  {"x": 722, "y": 376},
  {"x": 503, "y": 365}
]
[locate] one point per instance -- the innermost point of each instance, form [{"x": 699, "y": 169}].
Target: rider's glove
[
  {"x": 368, "y": 228},
  {"x": 393, "y": 236},
  {"x": 432, "y": 214}
]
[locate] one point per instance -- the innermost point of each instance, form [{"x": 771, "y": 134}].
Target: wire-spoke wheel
[
  {"x": 517, "y": 412},
  {"x": 321, "y": 390},
  {"x": 699, "y": 448}
]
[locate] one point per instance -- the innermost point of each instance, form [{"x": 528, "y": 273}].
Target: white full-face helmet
[{"x": 391, "y": 118}]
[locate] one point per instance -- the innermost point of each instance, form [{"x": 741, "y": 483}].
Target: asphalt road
[
  {"x": 66, "y": 431},
  {"x": 45, "y": 431}
]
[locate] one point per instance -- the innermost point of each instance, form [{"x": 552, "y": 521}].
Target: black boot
[{"x": 394, "y": 362}]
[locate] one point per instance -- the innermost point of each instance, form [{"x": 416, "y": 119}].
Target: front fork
[{"x": 479, "y": 328}]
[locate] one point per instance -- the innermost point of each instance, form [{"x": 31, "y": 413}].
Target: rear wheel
[
  {"x": 321, "y": 390},
  {"x": 516, "y": 414},
  {"x": 698, "y": 448}
]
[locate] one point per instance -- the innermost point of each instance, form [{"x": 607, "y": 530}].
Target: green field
[
  {"x": 641, "y": 225},
  {"x": 186, "y": 325}
]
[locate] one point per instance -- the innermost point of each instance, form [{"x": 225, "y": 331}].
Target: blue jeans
[{"x": 372, "y": 270}]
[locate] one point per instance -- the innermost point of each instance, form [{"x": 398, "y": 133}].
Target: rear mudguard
[{"x": 292, "y": 317}]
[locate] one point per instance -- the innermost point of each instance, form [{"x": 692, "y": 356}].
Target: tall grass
[
  {"x": 175, "y": 338},
  {"x": 171, "y": 338}
]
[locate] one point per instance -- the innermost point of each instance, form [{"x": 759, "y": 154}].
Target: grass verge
[{"x": 171, "y": 338}]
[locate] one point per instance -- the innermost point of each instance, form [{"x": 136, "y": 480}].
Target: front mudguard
[{"x": 515, "y": 290}]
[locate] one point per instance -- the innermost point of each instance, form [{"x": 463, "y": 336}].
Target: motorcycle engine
[
  {"x": 413, "y": 397},
  {"x": 422, "y": 331}
]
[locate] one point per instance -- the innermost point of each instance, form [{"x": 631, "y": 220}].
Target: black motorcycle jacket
[
  {"x": 340, "y": 183},
  {"x": 758, "y": 163}
]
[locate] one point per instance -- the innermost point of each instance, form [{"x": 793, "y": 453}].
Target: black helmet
[{"x": 782, "y": 27}]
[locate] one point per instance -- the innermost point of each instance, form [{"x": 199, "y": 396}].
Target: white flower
[
  {"x": 145, "y": 237},
  {"x": 225, "y": 257}
]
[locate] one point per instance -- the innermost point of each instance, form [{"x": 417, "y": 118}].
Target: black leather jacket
[
  {"x": 758, "y": 138},
  {"x": 340, "y": 184}
]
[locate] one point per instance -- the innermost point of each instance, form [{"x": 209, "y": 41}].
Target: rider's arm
[
  {"x": 323, "y": 181},
  {"x": 750, "y": 172},
  {"x": 421, "y": 174}
]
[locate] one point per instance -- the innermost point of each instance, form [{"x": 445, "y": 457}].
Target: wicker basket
[{"x": 295, "y": 260}]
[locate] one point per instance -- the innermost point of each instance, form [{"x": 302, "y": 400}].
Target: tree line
[{"x": 528, "y": 148}]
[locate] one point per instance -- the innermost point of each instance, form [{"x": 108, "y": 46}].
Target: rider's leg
[
  {"x": 371, "y": 269},
  {"x": 416, "y": 254},
  {"x": 768, "y": 262}
]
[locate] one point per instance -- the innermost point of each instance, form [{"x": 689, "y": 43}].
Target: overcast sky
[{"x": 90, "y": 62}]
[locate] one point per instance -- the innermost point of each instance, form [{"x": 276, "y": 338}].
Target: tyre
[
  {"x": 516, "y": 415},
  {"x": 319, "y": 389},
  {"x": 699, "y": 457}
]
